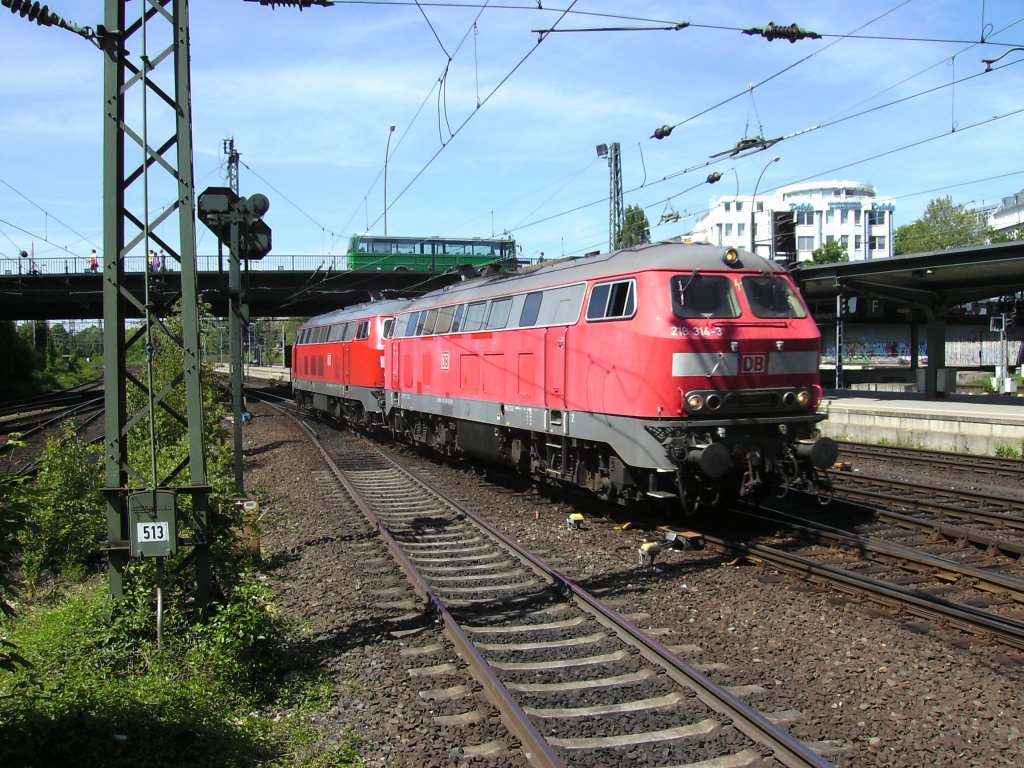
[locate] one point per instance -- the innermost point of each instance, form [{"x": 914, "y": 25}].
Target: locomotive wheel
[{"x": 689, "y": 495}]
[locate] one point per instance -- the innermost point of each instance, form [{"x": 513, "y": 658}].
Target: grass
[{"x": 88, "y": 695}]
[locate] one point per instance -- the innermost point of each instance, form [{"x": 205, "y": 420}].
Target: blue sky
[{"x": 496, "y": 133}]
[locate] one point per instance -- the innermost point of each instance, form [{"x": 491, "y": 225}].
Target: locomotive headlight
[
  {"x": 694, "y": 403},
  {"x": 803, "y": 398},
  {"x": 731, "y": 258}
]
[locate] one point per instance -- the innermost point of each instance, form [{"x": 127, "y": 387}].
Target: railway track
[
  {"x": 34, "y": 418},
  {"x": 575, "y": 682},
  {"x": 957, "y": 462},
  {"x": 934, "y": 577},
  {"x": 967, "y": 508}
]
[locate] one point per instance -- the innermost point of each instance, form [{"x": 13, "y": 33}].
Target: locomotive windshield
[
  {"x": 772, "y": 297},
  {"x": 698, "y": 295}
]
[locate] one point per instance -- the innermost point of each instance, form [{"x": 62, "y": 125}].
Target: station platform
[
  {"x": 271, "y": 374},
  {"x": 978, "y": 424}
]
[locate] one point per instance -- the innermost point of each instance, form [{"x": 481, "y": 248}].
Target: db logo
[
  {"x": 753, "y": 363},
  {"x": 446, "y": 361}
]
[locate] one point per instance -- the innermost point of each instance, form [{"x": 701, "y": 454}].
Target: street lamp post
[
  {"x": 387, "y": 151},
  {"x": 753, "y": 240}
]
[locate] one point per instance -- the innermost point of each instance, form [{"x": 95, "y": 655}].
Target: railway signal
[
  {"x": 237, "y": 221},
  {"x": 783, "y": 232}
]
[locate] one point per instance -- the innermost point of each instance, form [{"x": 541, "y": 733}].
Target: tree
[
  {"x": 944, "y": 225},
  {"x": 636, "y": 230},
  {"x": 830, "y": 253},
  {"x": 17, "y": 360}
]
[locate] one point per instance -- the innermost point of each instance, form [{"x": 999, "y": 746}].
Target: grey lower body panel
[
  {"x": 323, "y": 392},
  {"x": 628, "y": 437}
]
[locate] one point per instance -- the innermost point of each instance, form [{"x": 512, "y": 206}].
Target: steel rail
[
  {"x": 991, "y": 544},
  {"x": 981, "y": 464},
  {"x": 964, "y": 617},
  {"x": 534, "y": 746},
  {"x": 822, "y": 532},
  {"x": 789, "y": 751},
  {"x": 847, "y": 485}
]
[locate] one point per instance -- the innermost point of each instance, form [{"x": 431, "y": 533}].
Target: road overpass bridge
[{"x": 285, "y": 286}]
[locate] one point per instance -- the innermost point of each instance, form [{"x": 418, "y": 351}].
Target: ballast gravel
[{"x": 862, "y": 684}]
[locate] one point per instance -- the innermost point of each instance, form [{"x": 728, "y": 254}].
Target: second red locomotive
[{"x": 666, "y": 371}]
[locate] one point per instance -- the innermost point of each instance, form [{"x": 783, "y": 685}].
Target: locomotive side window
[
  {"x": 497, "y": 316},
  {"x": 612, "y": 301},
  {"x": 430, "y": 322},
  {"x": 349, "y": 332},
  {"x": 772, "y": 297},
  {"x": 531, "y": 309},
  {"x": 698, "y": 295},
  {"x": 474, "y": 316},
  {"x": 321, "y": 334},
  {"x": 363, "y": 330},
  {"x": 457, "y": 318},
  {"x": 408, "y": 322},
  {"x": 444, "y": 319},
  {"x": 562, "y": 306},
  {"x": 334, "y": 332},
  {"x": 389, "y": 327}
]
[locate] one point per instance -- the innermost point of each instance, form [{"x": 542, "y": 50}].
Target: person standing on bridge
[{"x": 94, "y": 264}]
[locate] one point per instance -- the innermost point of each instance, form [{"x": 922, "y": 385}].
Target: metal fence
[{"x": 60, "y": 265}]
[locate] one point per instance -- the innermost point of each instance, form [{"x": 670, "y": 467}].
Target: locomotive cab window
[
  {"x": 363, "y": 330},
  {"x": 612, "y": 301},
  {"x": 389, "y": 327},
  {"x": 772, "y": 297},
  {"x": 696, "y": 295}
]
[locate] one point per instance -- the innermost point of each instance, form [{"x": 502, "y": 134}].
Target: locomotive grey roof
[
  {"x": 387, "y": 307},
  {"x": 671, "y": 256}
]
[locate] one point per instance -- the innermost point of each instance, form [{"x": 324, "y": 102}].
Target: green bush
[
  {"x": 94, "y": 695},
  {"x": 65, "y": 523},
  {"x": 1009, "y": 452},
  {"x": 13, "y": 504},
  {"x": 77, "y": 706},
  {"x": 94, "y": 685},
  {"x": 244, "y": 640}
]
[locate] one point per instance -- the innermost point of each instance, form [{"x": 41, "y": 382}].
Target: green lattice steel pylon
[{"x": 147, "y": 165}]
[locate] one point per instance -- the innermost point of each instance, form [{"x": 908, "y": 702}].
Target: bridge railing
[{"x": 65, "y": 264}]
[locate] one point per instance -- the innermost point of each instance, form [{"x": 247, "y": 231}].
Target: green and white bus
[{"x": 429, "y": 254}]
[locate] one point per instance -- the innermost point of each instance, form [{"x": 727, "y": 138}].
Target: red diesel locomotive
[
  {"x": 666, "y": 371},
  {"x": 338, "y": 361}
]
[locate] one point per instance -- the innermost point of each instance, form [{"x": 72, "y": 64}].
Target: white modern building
[
  {"x": 825, "y": 211},
  {"x": 1008, "y": 216}
]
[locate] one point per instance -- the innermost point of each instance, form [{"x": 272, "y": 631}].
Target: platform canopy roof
[{"x": 938, "y": 279}]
